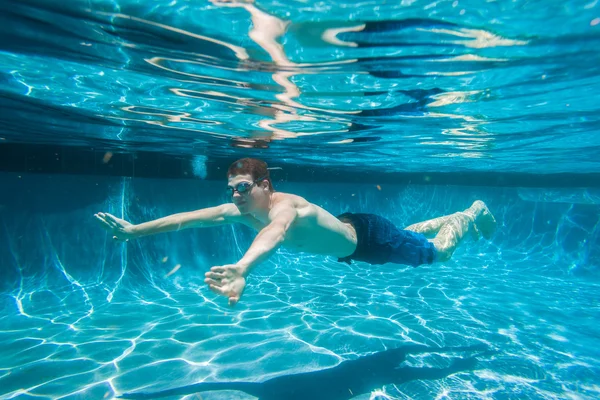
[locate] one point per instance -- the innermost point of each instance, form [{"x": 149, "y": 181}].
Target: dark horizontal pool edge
[{"x": 48, "y": 159}]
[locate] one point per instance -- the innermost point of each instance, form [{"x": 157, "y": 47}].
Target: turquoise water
[
  {"x": 490, "y": 88},
  {"x": 83, "y": 317},
  {"x": 440, "y": 85}
]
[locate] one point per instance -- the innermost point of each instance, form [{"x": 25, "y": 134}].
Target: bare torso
[{"x": 313, "y": 231}]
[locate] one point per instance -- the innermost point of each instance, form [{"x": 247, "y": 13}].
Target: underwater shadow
[{"x": 344, "y": 381}]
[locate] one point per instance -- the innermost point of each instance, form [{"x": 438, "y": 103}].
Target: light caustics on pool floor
[{"x": 94, "y": 319}]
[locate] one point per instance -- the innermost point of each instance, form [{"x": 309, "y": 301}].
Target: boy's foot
[{"x": 485, "y": 222}]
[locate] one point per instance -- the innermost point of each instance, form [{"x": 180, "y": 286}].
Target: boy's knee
[{"x": 444, "y": 252}]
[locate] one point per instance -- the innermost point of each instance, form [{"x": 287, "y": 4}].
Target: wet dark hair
[{"x": 254, "y": 167}]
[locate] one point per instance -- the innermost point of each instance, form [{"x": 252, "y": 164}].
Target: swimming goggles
[{"x": 243, "y": 187}]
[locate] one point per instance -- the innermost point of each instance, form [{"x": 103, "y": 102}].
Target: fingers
[
  {"x": 102, "y": 220},
  {"x": 217, "y": 290},
  {"x": 219, "y": 281},
  {"x": 112, "y": 221},
  {"x": 213, "y": 282},
  {"x": 214, "y": 275},
  {"x": 110, "y": 218},
  {"x": 106, "y": 222},
  {"x": 100, "y": 217},
  {"x": 112, "y": 224}
]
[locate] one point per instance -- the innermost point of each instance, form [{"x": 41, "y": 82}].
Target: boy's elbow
[{"x": 278, "y": 235}]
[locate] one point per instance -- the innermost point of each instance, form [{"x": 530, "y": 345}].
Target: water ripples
[{"x": 451, "y": 85}]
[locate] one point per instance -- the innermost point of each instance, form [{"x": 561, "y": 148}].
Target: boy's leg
[{"x": 451, "y": 229}]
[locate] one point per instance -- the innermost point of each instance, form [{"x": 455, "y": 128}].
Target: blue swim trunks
[{"x": 379, "y": 241}]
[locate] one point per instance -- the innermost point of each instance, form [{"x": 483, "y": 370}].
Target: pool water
[
  {"x": 84, "y": 317},
  {"x": 410, "y": 110},
  {"x": 455, "y": 85}
]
